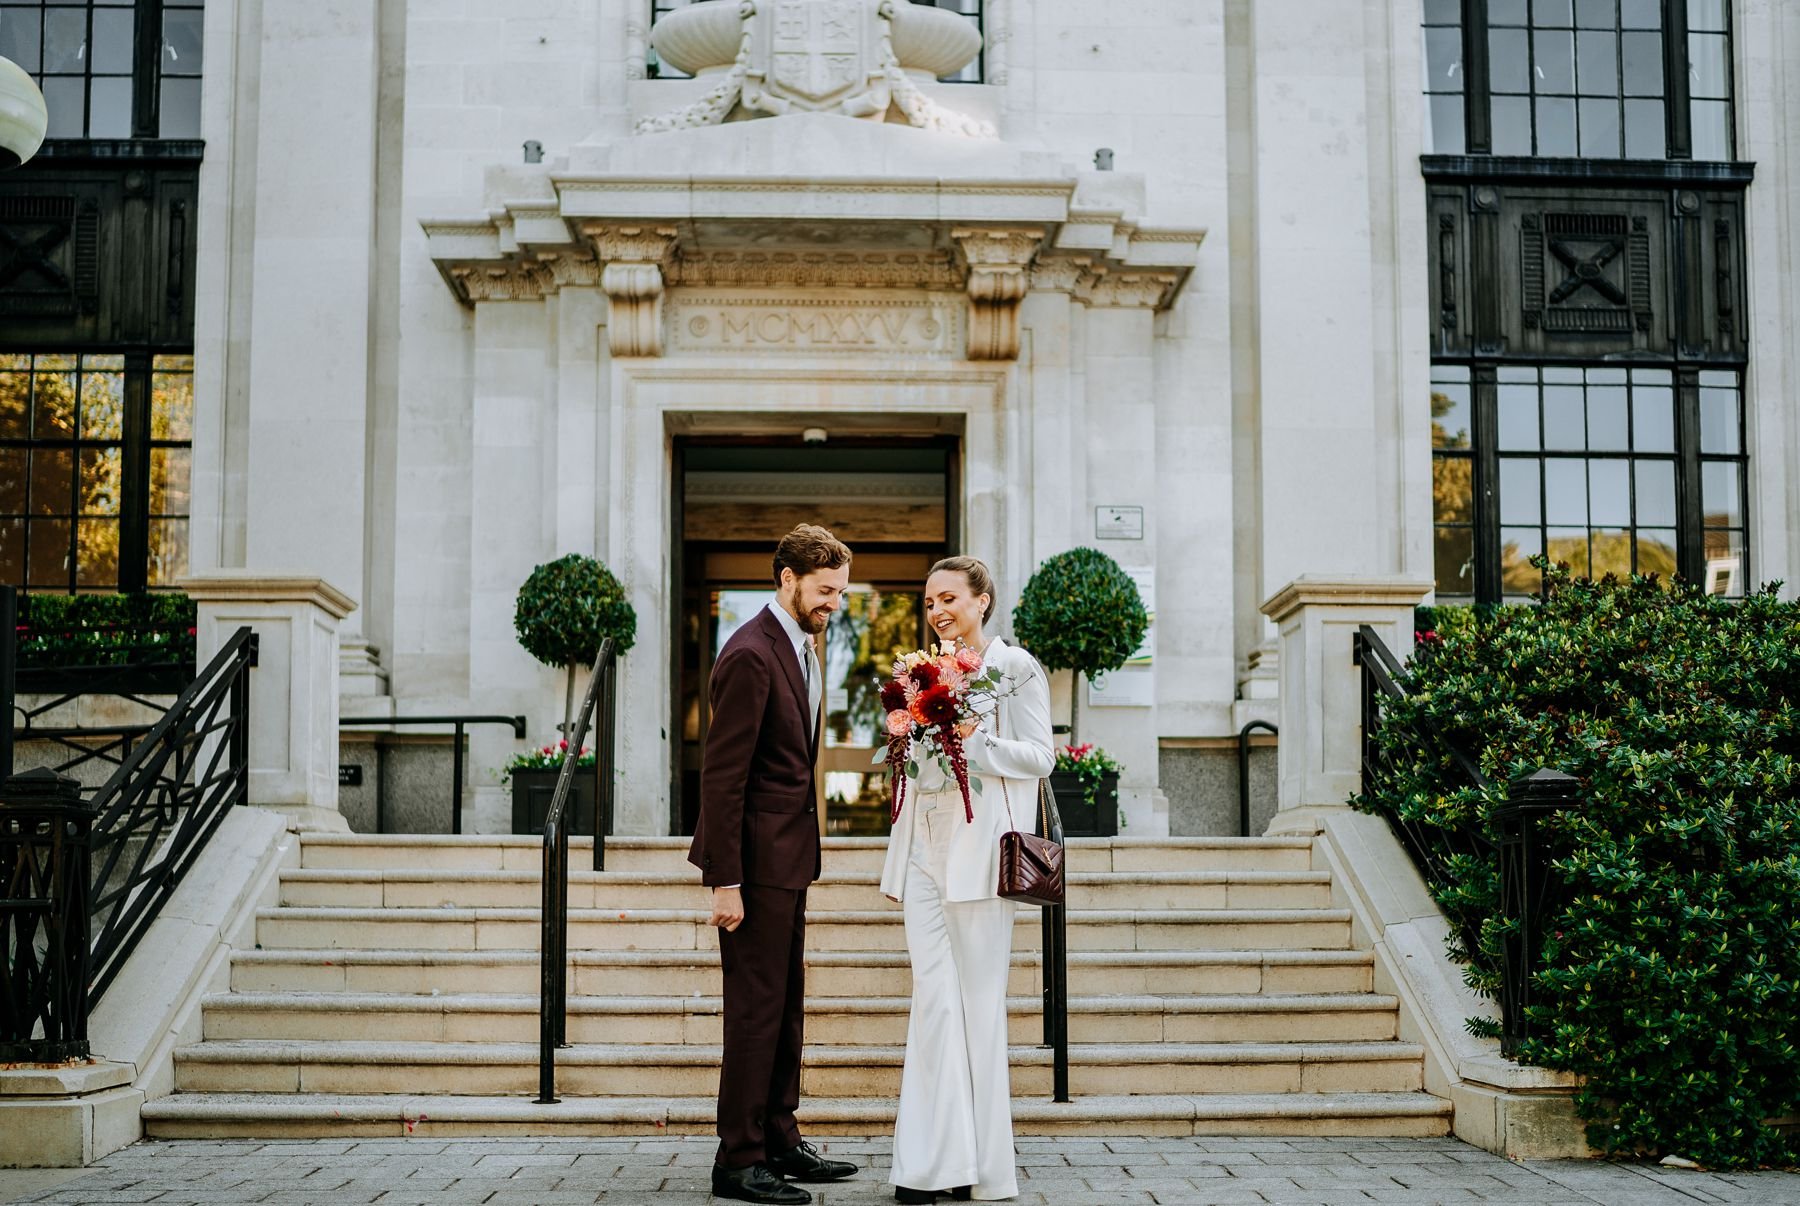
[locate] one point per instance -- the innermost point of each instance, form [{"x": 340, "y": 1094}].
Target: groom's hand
[{"x": 727, "y": 908}]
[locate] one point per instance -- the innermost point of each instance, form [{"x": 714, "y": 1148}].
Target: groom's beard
[{"x": 814, "y": 622}]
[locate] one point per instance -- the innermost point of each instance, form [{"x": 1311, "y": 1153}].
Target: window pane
[
  {"x": 66, "y": 98},
  {"x": 49, "y": 546},
  {"x": 1506, "y": 12},
  {"x": 1453, "y": 558},
  {"x": 1565, "y": 491},
  {"x": 1707, "y": 74},
  {"x": 1569, "y": 546},
  {"x": 1656, "y": 552},
  {"x": 12, "y": 551},
  {"x": 65, "y": 40},
  {"x": 15, "y": 405},
  {"x": 1655, "y": 493},
  {"x": 1719, "y": 420},
  {"x": 12, "y": 483},
  {"x": 1556, "y": 126},
  {"x": 1510, "y": 66},
  {"x": 1555, "y": 61},
  {"x": 1724, "y": 562},
  {"x": 1653, "y": 418},
  {"x": 1446, "y": 136},
  {"x": 1712, "y": 129},
  {"x": 1443, "y": 12},
  {"x": 171, "y": 406},
  {"x": 1706, "y": 15},
  {"x": 112, "y": 41},
  {"x": 168, "y": 551},
  {"x": 1611, "y": 554},
  {"x": 1450, "y": 422},
  {"x": 109, "y": 107},
  {"x": 1563, "y": 428},
  {"x": 97, "y": 553},
  {"x": 102, "y": 406},
  {"x": 181, "y": 41},
  {"x": 179, "y": 116},
  {"x": 1512, "y": 125},
  {"x": 20, "y": 32},
  {"x": 1600, "y": 129},
  {"x": 1609, "y": 493},
  {"x": 1443, "y": 60},
  {"x": 1643, "y": 64},
  {"x": 1553, "y": 12},
  {"x": 1597, "y": 61},
  {"x": 1720, "y": 497},
  {"x": 1646, "y": 130},
  {"x": 1518, "y": 405},
  {"x": 1596, "y": 14},
  {"x": 1452, "y": 489},
  {"x": 1641, "y": 14},
  {"x": 52, "y": 481},
  {"x": 170, "y": 481},
  {"x": 100, "y": 489},
  {"x": 1608, "y": 423},
  {"x": 1517, "y": 547},
  {"x": 1519, "y": 503}
]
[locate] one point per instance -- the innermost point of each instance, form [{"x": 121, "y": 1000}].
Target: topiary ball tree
[
  {"x": 1081, "y": 612},
  {"x": 566, "y": 608}
]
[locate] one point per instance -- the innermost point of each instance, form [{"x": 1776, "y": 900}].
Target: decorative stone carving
[
  {"x": 571, "y": 268},
  {"x": 1149, "y": 290},
  {"x": 814, "y": 269},
  {"x": 796, "y": 56},
  {"x": 856, "y": 324},
  {"x": 509, "y": 281},
  {"x": 996, "y": 261},
  {"x": 1060, "y": 274},
  {"x": 634, "y": 257}
]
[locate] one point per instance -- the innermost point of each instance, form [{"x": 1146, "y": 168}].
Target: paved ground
[{"x": 1062, "y": 1172}]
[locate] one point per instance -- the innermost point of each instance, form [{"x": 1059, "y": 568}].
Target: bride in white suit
[{"x": 953, "y": 1136}]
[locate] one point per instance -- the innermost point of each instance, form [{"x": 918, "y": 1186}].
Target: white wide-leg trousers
[{"x": 955, "y": 1122}]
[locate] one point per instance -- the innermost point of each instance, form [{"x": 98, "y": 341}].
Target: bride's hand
[{"x": 967, "y": 728}]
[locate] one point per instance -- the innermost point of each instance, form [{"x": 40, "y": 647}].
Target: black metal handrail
[
  {"x": 1055, "y": 943},
  {"x": 601, "y": 696},
  {"x": 460, "y": 725},
  {"x": 95, "y": 874},
  {"x": 1244, "y": 770},
  {"x": 1529, "y": 892}
]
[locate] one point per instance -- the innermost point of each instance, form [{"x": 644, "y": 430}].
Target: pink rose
[
  {"x": 968, "y": 660},
  {"x": 898, "y": 723}
]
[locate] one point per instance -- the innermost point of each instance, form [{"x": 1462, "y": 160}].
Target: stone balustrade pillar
[
  {"x": 294, "y": 687},
  {"x": 1320, "y": 750}
]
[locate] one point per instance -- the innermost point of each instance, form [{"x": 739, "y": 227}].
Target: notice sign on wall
[{"x": 1118, "y": 523}]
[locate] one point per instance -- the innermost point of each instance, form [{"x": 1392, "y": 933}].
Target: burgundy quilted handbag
[{"x": 1031, "y": 867}]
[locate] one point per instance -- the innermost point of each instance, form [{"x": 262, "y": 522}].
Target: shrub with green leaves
[
  {"x": 567, "y": 607},
  {"x": 1671, "y": 982},
  {"x": 146, "y": 628},
  {"x": 1080, "y": 611}
]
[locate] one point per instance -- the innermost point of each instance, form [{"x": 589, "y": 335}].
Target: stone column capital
[
  {"x": 634, "y": 258},
  {"x": 996, "y": 260}
]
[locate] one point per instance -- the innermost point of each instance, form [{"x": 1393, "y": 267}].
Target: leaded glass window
[{"x": 88, "y": 56}]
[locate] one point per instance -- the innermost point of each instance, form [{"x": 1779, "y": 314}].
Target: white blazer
[{"x": 1009, "y": 753}]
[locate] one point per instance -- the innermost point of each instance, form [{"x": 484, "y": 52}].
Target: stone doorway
[{"x": 894, "y": 500}]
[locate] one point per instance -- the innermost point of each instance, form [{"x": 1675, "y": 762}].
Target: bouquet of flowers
[{"x": 929, "y": 696}]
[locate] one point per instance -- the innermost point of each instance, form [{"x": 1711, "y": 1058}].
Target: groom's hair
[{"x": 808, "y": 548}]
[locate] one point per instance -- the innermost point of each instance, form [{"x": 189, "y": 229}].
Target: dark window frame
[
  {"x": 1477, "y": 73},
  {"x": 1689, "y": 457},
  {"x": 136, "y": 445},
  {"x": 147, "y": 61}
]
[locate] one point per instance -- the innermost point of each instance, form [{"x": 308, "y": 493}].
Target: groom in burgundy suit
[{"x": 757, "y": 847}]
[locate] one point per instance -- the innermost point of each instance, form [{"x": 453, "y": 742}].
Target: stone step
[
  {"x": 640, "y": 1070},
  {"x": 499, "y": 852},
  {"x": 384, "y": 1017},
  {"x": 327, "y": 1115},
  {"x": 687, "y": 929},
  {"x": 829, "y": 973},
  {"x": 421, "y": 888}
]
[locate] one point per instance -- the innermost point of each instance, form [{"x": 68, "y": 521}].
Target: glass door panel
[{"x": 864, "y": 636}]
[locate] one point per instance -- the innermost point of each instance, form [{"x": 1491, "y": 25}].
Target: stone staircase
[{"x": 1213, "y": 990}]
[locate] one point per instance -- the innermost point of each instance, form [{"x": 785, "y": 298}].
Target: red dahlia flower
[
  {"x": 926, "y": 674},
  {"x": 893, "y": 696},
  {"x": 934, "y": 706}
]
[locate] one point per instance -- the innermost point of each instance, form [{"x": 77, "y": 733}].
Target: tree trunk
[
  {"x": 1075, "y": 709},
  {"x": 568, "y": 724}
]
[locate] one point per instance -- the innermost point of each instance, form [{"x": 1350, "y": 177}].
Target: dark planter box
[
  {"x": 1079, "y": 820},
  {"x": 532, "y": 791}
]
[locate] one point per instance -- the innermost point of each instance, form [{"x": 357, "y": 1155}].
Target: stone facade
[{"x": 426, "y": 367}]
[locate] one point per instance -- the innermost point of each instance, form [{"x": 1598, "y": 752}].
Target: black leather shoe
[
  {"x": 804, "y": 1163},
  {"x": 756, "y": 1184},
  {"x": 914, "y": 1197},
  {"x": 962, "y": 1193}
]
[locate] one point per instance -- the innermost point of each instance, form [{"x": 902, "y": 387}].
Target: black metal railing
[
  {"x": 1055, "y": 943},
  {"x": 1530, "y": 892},
  {"x": 459, "y": 727},
  {"x": 89, "y": 876},
  {"x": 1243, "y": 752},
  {"x": 600, "y": 701}
]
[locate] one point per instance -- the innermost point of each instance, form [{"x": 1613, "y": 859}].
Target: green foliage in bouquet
[
  {"x": 1671, "y": 982},
  {"x": 106, "y": 630}
]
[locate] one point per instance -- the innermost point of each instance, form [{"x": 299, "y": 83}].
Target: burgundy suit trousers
[{"x": 764, "y": 961}]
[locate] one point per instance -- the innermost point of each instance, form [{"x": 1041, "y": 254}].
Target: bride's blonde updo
[{"x": 975, "y": 573}]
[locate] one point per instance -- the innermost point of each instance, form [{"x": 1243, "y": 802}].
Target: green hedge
[
  {"x": 1672, "y": 982},
  {"x": 106, "y": 630}
]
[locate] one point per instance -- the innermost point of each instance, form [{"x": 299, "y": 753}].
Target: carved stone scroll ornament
[
  {"x": 920, "y": 110},
  {"x": 719, "y": 100},
  {"x": 634, "y": 258},
  {"x": 997, "y": 262}
]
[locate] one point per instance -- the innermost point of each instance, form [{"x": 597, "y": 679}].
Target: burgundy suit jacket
[{"x": 758, "y": 816}]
